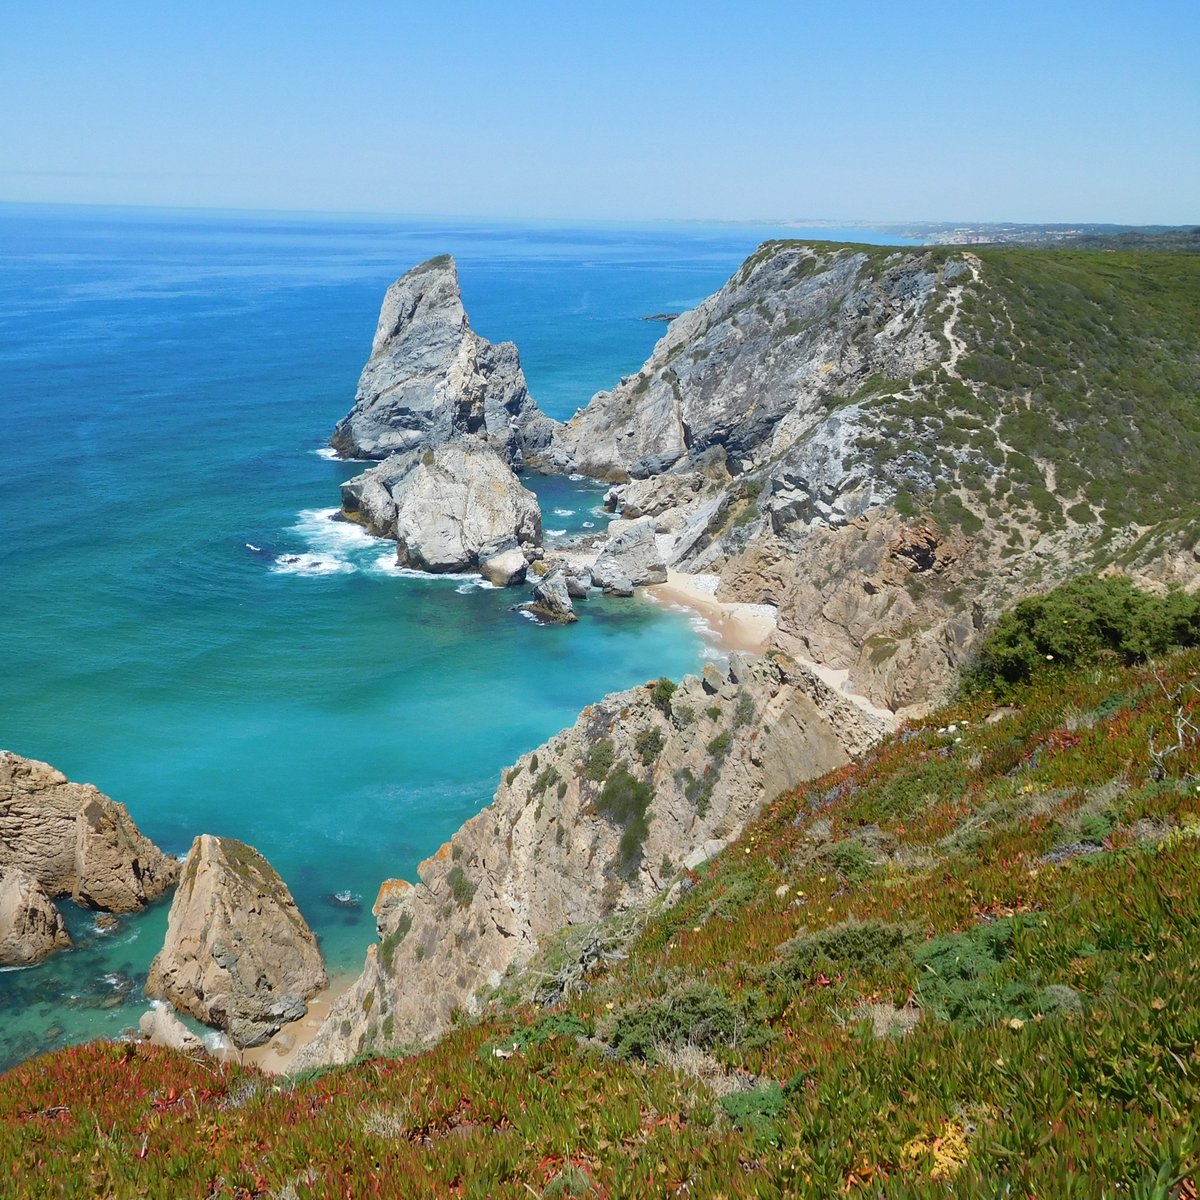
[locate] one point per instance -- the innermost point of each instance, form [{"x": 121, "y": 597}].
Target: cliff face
[
  {"x": 600, "y": 818},
  {"x": 890, "y": 445},
  {"x": 75, "y": 841},
  {"x": 431, "y": 378}
]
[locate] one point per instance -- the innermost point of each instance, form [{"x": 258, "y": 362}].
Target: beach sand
[
  {"x": 746, "y": 627},
  {"x": 275, "y": 1056}
]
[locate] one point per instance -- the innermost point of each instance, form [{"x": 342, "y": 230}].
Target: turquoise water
[{"x": 168, "y": 380}]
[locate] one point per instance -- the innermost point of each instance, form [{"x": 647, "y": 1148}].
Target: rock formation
[
  {"x": 453, "y": 508},
  {"x": 552, "y": 599},
  {"x": 431, "y": 378},
  {"x": 630, "y": 556},
  {"x": 161, "y": 1027},
  {"x": 30, "y": 926},
  {"x": 75, "y": 841},
  {"x": 238, "y": 955},
  {"x": 601, "y": 817}
]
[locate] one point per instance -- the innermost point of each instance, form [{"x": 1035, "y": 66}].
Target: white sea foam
[
  {"x": 327, "y": 452},
  {"x": 564, "y": 512},
  {"x": 575, "y": 478},
  {"x": 311, "y": 564},
  {"x": 555, "y": 532},
  {"x": 589, "y": 524}
]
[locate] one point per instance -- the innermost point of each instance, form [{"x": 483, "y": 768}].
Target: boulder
[
  {"x": 448, "y": 507},
  {"x": 617, "y": 583},
  {"x": 238, "y": 955},
  {"x": 551, "y": 600},
  {"x": 30, "y": 926},
  {"x": 504, "y": 568},
  {"x": 162, "y": 1027},
  {"x": 579, "y": 585},
  {"x": 631, "y": 551},
  {"x": 430, "y": 378},
  {"x": 75, "y": 841}
]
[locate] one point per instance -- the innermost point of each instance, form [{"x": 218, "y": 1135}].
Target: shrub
[
  {"x": 598, "y": 761},
  {"x": 859, "y": 946},
  {"x": 1077, "y": 624},
  {"x": 624, "y": 801},
  {"x": 461, "y": 888},
  {"x": 649, "y": 744},
  {"x": 661, "y": 692},
  {"x": 757, "y": 1111},
  {"x": 699, "y": 1014},
  {"x": 719, "y": 746}
]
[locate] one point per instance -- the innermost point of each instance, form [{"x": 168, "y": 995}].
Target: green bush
[
  {"x": 1077, "y": 624},
  {"x": 699, "y": 1014},
  {"x": 661, "y": 692},
  {"x": 757, "y": 1111},
  {"x": 624, "y": 801},
  {"x": 649, "y": 744},
  {"x": 598, "y": 761}
]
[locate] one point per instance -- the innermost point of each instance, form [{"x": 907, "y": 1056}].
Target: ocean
[{"x": 169, "y": 381}]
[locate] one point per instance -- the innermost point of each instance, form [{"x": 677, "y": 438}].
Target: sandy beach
[
  {"x": 746, "y": 627},
  {"x": 275, "y": 1056}
]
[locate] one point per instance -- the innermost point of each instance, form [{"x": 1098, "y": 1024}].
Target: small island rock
[
  {"x": 631, "y": 556},
  {"x": 238, "y": 955},
  {"x": 551, "y": 600}
]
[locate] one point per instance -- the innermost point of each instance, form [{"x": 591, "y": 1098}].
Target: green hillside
[{"x": 964, "y": 966}]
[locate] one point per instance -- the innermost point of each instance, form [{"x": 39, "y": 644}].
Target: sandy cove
[
  {"x": 747, "y": 627},
  {"x": 274, "y": 1056}
]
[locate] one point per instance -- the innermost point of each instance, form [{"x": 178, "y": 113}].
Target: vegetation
[
  {"x": 1079, "y": 623},
  {"x": 997, "y": 1006},
  {"x": 625, "y": 801}
]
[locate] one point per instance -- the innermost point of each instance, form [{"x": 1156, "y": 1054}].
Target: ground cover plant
[{"x": 994, "y": 995}]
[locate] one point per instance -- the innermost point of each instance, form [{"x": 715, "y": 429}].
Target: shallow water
[{"x": 168, "y": 382}]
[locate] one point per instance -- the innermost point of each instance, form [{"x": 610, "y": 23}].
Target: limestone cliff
[
  {"x": 431, "y": 378},
  {"x": 602, "y": 817},
  {"x": 889, "y": 445},
  {"x": 75, "y": 841},
  {"x": 238, "y": 955},
  {"x": 30, "y": 926}
]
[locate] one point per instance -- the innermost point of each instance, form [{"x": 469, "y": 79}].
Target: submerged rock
[
  {"x": 238, "y": 955},
  {"x": 430, "y": 378},
  {"x": 30, "y": 926},
  {"x": 75, "y": 841}
]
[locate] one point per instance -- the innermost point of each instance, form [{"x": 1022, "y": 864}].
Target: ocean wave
[
  {"x": 575, "y": 478},
  {"x": 555, "y": 532},
  {"x": 327, "y": 452},
  {"x": 311, "y": 564},
  {"x": 564, "y": 512},
  {"x": 589, "y": 524}
]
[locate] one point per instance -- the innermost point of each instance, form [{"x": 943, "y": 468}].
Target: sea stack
[{"x": 238, "y": 955}]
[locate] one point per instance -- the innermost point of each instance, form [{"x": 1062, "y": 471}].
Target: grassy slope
[{"x": 1057, "y": 1052}]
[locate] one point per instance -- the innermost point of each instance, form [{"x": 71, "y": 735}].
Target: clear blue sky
[{"x": 863, "y": 109}]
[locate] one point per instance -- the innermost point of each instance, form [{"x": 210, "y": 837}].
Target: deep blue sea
[{"x": 167, "y": 382}]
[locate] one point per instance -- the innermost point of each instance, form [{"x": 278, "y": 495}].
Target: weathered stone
[
  {"x": 631, "y": 551},
  {"x": 504, "y": 568},
  {"x": 430, "y": 378},
  {"x": 238, "y": 955},
  {"x": 30, "y": 926},
  {"x": 447, "y": 506},
  {"x": 551, "y": 599},
  {"x": 162, "y": 1027},
  {"x": 75, "y": 841},
  {"x": 541, "y": 857},
  {"x": 578, "y": 585}
]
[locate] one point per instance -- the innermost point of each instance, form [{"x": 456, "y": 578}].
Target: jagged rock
[
  {"x": 579, "y": 584},
  {"x": 631, "y": 554},
  {"x": 543, "y": 855},
  {"x": 238, "y": 955},
  {"x": 75, "y": 841},
  {"x": 552, "y": 599},
  {"x": 430, "y": 378},
  {"x": 447, "y": 506},
  {"x": 30, "y": 926},
  {"x": 162, "y": 1027},
  {"x": 504, "y": 568},
  {"x": 617, "y": 583}
]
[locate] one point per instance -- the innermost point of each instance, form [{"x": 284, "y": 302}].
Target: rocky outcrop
[
  {"x": 30, "y": 926},
  {"x": 600, "y": 818},
  {"x": 631, "y": 555},
  {"x": 75, "y": 841},
  {"x": 552, "y": 599},
  {"x": 161, "y": 1027},
  {"x": 238, "y": 955},
  {"x": 452, "y": 508},
  {"x": 431, "y": 378}
]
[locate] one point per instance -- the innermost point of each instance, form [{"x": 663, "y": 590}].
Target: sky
[{"x": 864, "y": 110}]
